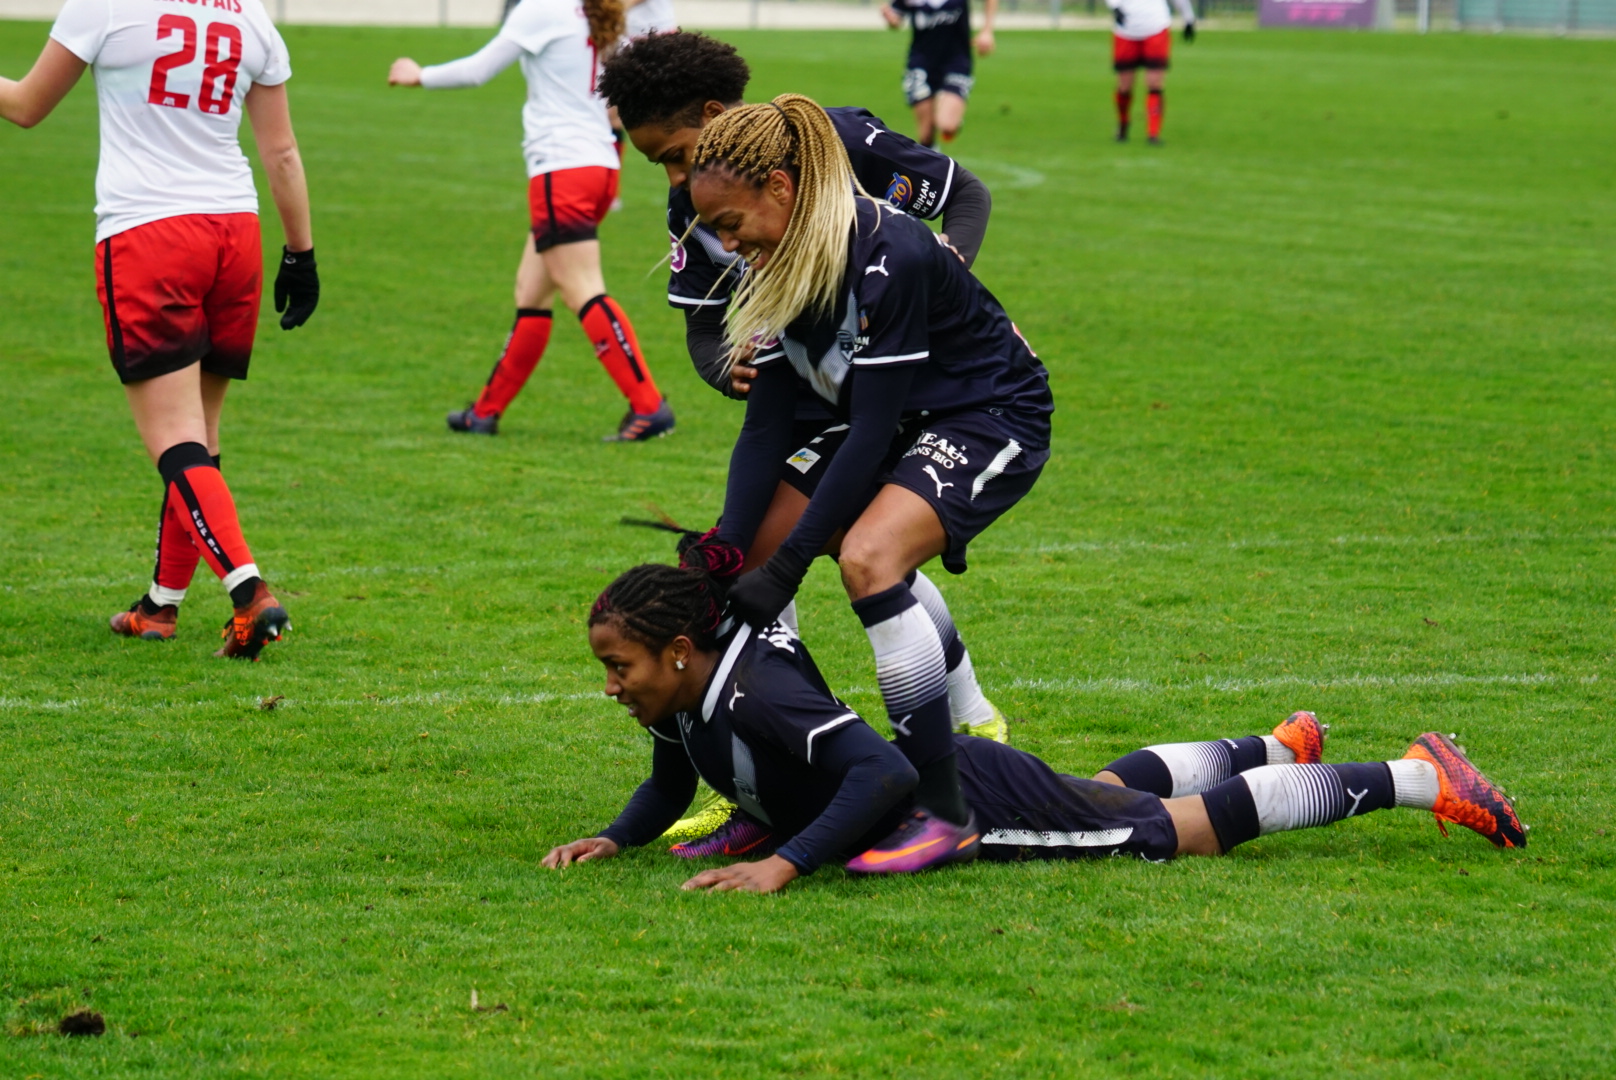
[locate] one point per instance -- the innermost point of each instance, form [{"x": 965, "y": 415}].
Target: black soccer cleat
[
  {"x": 467, "y": 421},
  {"x": 639, "y": 427},
  {"x": 1122, "y": 133}
]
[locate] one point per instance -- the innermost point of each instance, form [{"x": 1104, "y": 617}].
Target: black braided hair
[
  {"x": 667, "y": 78},
  {"x": 655, "y": 603}
]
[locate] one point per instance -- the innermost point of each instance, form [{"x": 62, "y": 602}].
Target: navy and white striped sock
[
  {"x": 909, "y": 668},
  {"x": 966, "y": 702},
  {"x": 1277, "y": 798},
  {"x": 1174, "y": 770}
]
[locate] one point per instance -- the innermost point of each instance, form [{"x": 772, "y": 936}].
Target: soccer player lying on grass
[{"x": 747, "y": 711}]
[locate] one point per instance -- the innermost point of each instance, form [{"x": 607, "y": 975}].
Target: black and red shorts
[
  {"x": 568, "y": 205},
  {"x": 181, "y": 290},
  {"x": 1151, "y": 52}
]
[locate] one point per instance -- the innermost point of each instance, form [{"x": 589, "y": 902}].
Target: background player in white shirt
[
  {"x": 179, "y": 268},
  {"x": 572, "y": 167},
  {"x": 1142, "y": 38},
  {"x": 643, "y": 16}
]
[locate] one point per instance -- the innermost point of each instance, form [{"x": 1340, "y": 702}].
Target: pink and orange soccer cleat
[
  {"x": 1467, "y": 797},
  {"x": 921, "y": 842},
  {"x": 1303, "y": 735},
  {"x": 740, "y": 834},
  {"x": 159, "y": 626},
  {"x": 254, "y": 625}
]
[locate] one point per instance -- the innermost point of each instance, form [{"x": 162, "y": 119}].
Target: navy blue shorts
[
  {"x": 817, "y": 438},
  {"x": 971, "y": 467},
  {"x": 928, "y": 74},
  {"x": 1027, "y": 810}
]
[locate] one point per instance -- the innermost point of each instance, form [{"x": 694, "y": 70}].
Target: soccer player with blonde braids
[
  {"x": 572, "y": 165},
  {"x": 947, "y": 411}
]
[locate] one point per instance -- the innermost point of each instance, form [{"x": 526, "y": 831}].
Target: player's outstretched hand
[
  {"x": 297, "y": 287},
  {"x": 404, "y": 72},
  {"x": 1189, "y": 32},
  {"x": 759, "y": 596},
  {"x": 985, "y": 43},
  {"x": 765, "y": 876},
  {"x": 592, "y": 847},
  {"x": 1117, "y": 16},
  {"x": 894, "y": 20}
]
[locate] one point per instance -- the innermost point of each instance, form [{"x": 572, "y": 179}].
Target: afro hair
[{"x": 667, "y": 78}]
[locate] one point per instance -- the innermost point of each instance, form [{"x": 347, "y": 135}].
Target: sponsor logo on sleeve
[
  {"x": 925, "y": 199},
  {"x": 900, "y": 191}
]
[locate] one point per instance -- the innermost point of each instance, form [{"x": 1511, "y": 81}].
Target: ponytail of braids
[
  {"x": 606, "y": 24},
  {"x": 791, "y": 133}
]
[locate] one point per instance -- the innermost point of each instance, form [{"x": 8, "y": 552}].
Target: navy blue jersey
[
  {"x": 907, "y": 299},
  {"x": 942, "y": 28},
  {"x": 890, "y": 166},
  {"x": 770, "y": 736}
]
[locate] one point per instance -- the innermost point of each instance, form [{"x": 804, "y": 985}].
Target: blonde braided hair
[{"x": 791, "y": 133}]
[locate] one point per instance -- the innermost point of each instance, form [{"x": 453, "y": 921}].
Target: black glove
[
  {"x": 759, "y": 596},
  {"x": 297, "y": 287},
  {"x": 1118, "y": 16},
  {"x": 1189, "y": 32}
]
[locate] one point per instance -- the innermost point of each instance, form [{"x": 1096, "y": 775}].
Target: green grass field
[{"x": 1336, "y": 405}]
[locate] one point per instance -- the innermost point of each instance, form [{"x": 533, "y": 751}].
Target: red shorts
[
  {"x": 1150, "y": 52},
  {"x": 181, "y": 290},
  {"x": 569, "y": 204}
]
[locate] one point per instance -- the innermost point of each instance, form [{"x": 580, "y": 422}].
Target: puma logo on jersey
[
  {"x": 1357, "y": 797},
  {"x": 878, "y": 268},
  {"x": 735, "y": 697},
  {"x": 902, "y": 726},
  {"x": 869, "y": 140},
  {"x": 938, "y": 480}
]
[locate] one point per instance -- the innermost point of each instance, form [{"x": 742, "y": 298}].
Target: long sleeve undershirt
[
  {"x": 658, "y": 802},
  {"x": 709, "y": 351},
  {"x": 473, "y": 70},
  {"x": 965, "y": 215},
  {"x": 754, "y": 464},
  {"x": 875, "y": 775}
]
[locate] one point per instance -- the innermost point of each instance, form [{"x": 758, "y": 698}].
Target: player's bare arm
[
  {"x": 984, "y": 37},
  {"x": 28, "y": 101}
]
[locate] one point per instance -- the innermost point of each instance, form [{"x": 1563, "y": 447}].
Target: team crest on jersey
[
  {"x": 678, "y": 260},
  {"x": 900, "y": 190}
]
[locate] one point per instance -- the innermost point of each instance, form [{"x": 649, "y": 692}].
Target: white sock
[
  {"x": 1278, "y": 752},
  {"x": 966, "y": 702},
  {"x": 240, "y": 574},
  {"x": 164, "y": 597},
  {"x": 1415, "y": 783}
]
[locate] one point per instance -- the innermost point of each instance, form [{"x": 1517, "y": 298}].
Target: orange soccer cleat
[
  {"x": 159, "y": 626},
  {"x": 254, "y": 625},
  {"x": 1303, "y": 735},
  {"x": 1467, "y": 797}
]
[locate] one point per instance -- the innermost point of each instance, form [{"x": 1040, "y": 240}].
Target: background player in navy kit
[
  {"x": 667, "y": 88},
  {"x": 748, "y": 711},
  {"x": 938, "y": 79},
  {"x": 946, "y": 406}
]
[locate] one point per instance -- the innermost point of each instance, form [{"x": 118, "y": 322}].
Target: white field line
[
  {"x": 1141, "y": 687},
  {"x": 291, "y": 578}
]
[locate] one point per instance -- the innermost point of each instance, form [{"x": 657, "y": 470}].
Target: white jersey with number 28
[{"x": 170, "y": 77}]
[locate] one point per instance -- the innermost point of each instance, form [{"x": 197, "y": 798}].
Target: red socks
[
  {"x": 1124, "y": 106},
  {"x": 201, "y": 502},
  {"x": 1153, "y": 114},
  {"x": 523, "y": 349},
  {"x": 176, "y": 559},
  {"x": 613, "y": 337}
]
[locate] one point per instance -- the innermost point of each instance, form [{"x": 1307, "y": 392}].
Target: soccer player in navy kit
[
  {"x": 946, "y": 406},
  {"x": 746, "y": 710},
  {"x": 667, "y": 87},
  {"x": 938, "y": 78}
]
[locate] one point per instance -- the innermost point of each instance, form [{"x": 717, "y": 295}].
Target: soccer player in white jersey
[
  {"x": 178, "y": 264},
  {"x": 572, "y": 165},
  {"x": 1142, "y": 38}
]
